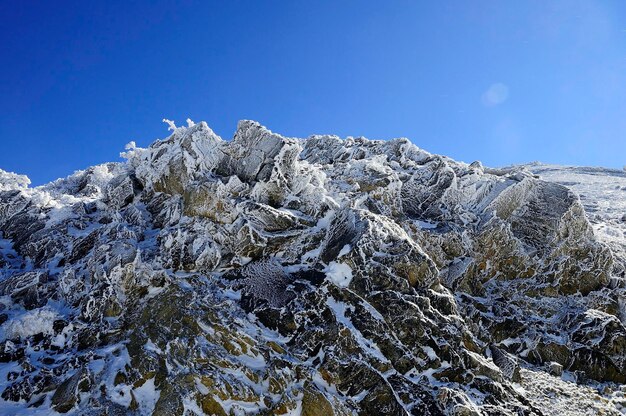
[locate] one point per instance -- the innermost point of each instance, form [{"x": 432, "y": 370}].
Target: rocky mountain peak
[{"x": 274, "y": 275}]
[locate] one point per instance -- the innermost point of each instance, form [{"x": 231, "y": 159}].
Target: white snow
[
  {"x": 171, "y": 125},
  {"x": 147, "y": 395},
  {"x": 430, "y": 352},
  {"x": 427, "y": 225},
  {"x": 10, "y": 181},
  {"x": 339, "y": 274},
  {"x": 151, "y": 346},
  {"x": 568, "y": 398},
  {"x": 30, "y": 323},
  {"x": 340, "y": 309},
  {"x": 344, "y": 250}
]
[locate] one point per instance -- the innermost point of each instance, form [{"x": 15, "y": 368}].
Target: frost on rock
[
  {"x": 10, "y": 181},
  {"x": 38, "y": 321},
  {"x": 274, "y": 275}
]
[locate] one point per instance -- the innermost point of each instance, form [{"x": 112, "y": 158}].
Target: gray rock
[
  {"x": 555, "y": 369},
  {"x": 66, "y": 395}
]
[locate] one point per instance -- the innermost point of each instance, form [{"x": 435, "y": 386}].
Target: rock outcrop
[{"x": 319, "y": 276}]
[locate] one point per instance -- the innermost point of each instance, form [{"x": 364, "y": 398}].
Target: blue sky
[{"x": 499, "y": 81}]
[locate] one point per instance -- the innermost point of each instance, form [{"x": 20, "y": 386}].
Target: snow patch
[
  {"x": 30, "y": 323},
  {"x": 147, "y": 395},
  {"x": 339, "y": 274}
]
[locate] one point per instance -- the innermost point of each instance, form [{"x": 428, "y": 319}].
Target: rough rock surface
[{"x": 320, "y": 276}]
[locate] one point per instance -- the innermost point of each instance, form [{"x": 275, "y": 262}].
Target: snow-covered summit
[{"x": 275, "y": 275}]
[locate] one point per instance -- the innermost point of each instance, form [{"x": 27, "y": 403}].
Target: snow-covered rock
[{"x": 274, "y": 275}]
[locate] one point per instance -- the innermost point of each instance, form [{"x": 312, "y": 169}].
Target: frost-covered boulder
[
  {"x": 10, "y": 181},
  {"x": 169, "y": 165},
  {"x": 255, "y": 152}
]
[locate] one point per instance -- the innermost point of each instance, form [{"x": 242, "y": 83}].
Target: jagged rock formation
[{"x": 271, "y": 275}]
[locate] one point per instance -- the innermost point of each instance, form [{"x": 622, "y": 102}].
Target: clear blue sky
[{"x": 500, "y": 81}]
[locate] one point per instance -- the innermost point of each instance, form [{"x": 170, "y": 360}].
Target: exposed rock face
[{"x": 271, "y": 275}]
